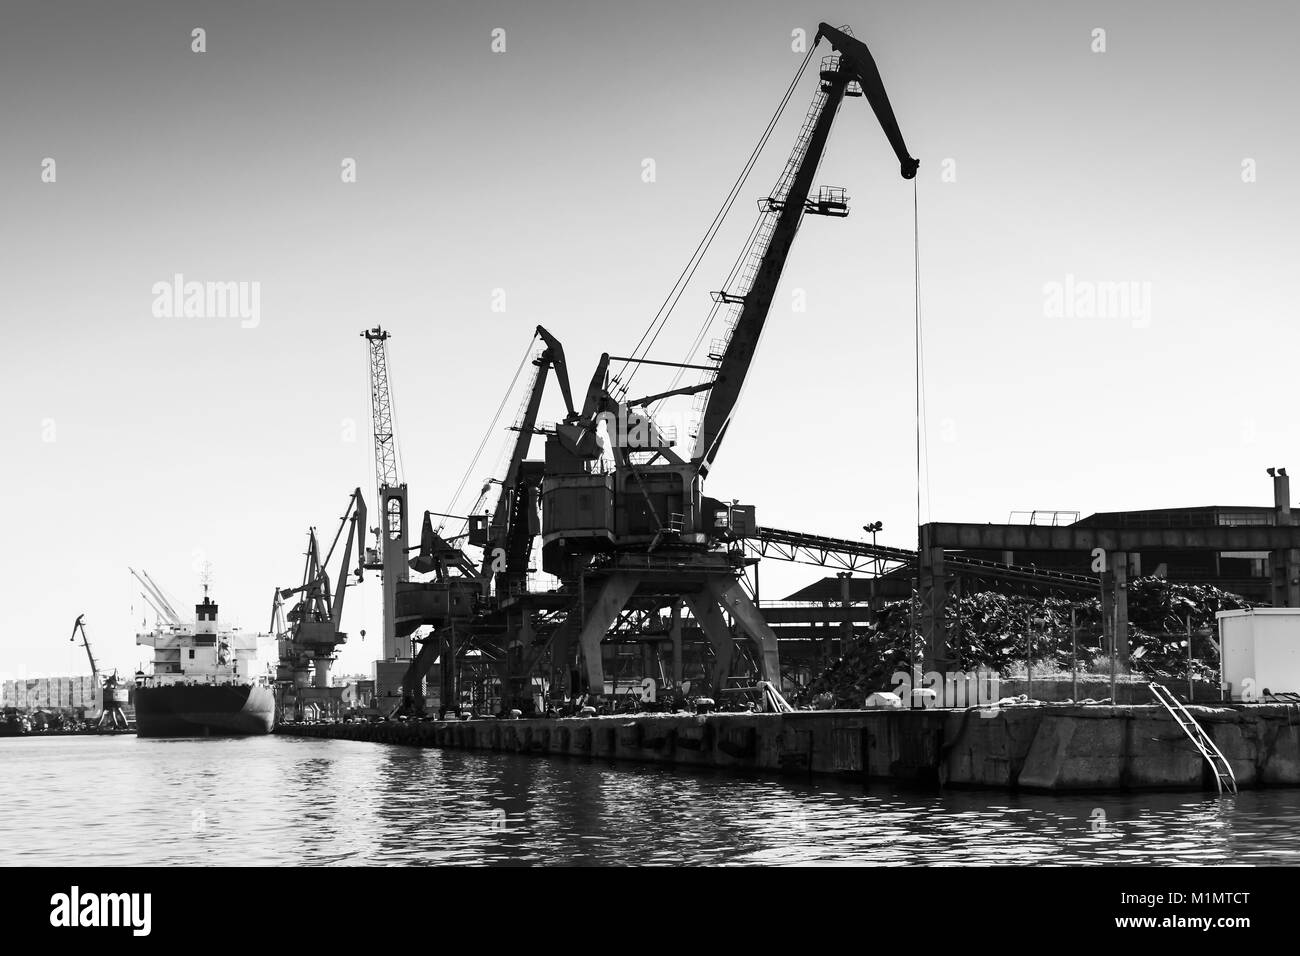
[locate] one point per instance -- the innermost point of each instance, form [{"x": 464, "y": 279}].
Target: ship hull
[{"x": 204, "y": 710}]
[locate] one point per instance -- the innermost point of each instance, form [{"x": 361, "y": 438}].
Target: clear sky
[{"x": 129, "y": 438}]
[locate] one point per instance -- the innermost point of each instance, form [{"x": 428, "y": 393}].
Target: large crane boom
[
  {"x": 782, "y": 213},
  {"x": 528, "y": 422},
  {"x": 511, "y": 528},
  {"x": 78, "y": 625},
  {"x": 356, "y": 538},
  {"x": 321, "y": 600}
]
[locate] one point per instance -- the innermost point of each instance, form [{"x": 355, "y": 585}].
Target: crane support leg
[
  {"x": 418, "y": 670},
  {"x": 613, "y": 597},
  {"x": 519, "y": 662},
  {"x": 560, "y": 645},
  {"x": 675, "y": 634},
  {"x": 734, "y": 600},
  {"x": 707, "y": 613}
]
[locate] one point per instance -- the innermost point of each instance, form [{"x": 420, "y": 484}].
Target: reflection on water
[{"x": 273, "y": 800}]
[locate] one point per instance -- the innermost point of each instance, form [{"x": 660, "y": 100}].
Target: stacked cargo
[{"x": 50, "y": 693}]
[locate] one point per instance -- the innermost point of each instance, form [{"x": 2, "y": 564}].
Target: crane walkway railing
[{"x": 1223, "y": 775}]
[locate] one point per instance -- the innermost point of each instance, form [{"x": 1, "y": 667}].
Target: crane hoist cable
[
  {"x": 922, "y": 447},
  {"x": 688, "y": 271},
  {"x": 922, "y": 417},
  {"x": 455, "y": 498},
  {"x": 674, "y": 296},
  {"x": 709, "y": 317}
]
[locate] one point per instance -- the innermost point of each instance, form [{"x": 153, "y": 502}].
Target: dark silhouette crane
[
  {"x": 111, "y": 695},
  {"x": 646, "y": 536}
]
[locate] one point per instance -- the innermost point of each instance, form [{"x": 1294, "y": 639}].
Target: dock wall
[{"x": 1049, "y": 748}]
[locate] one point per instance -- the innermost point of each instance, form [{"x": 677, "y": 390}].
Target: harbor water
[{"x": 281, "y": 800}]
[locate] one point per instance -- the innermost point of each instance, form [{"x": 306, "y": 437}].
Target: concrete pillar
[
  {"x": 846, "y": 601},
  {"x": 1119, "y": 603},
  {"x": 1284, "y": 564},
  {"x": 1108, "y": 609},
  {"x": 825, "y": 642},
  {"x": 932, "y": 585}
]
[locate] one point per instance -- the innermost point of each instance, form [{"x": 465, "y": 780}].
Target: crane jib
[
  {"x": 863, "y": 67},
  {"x": 785, "y": 209}
]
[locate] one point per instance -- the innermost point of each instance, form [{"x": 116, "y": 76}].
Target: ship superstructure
[{"x": 205, "y": 680}]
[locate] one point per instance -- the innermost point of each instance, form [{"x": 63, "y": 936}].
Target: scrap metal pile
[{"x": 999, "y": 631}]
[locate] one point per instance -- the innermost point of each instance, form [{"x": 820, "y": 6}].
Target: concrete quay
[{"x": 1059, "y": 747}]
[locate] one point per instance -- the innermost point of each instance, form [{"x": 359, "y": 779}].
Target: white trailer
[{"x": 1259, "y": 652}]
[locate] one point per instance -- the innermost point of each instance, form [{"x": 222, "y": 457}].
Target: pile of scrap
[{"x": 989, "y": 631}]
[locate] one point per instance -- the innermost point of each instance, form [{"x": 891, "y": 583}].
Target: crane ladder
[{"x": 1223, "y": 775}]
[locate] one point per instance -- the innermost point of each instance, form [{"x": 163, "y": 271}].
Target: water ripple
[{"x": 279, "y": 800}]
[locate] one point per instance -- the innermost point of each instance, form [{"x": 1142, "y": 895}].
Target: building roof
[
  {"x": 828, "y": 589},
  {"x": 1181, "y": 517}
]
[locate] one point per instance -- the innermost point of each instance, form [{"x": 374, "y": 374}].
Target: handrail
[{"x": 1213, "y": 756}]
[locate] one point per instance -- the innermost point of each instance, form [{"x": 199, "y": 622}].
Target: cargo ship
[{"x": 205, "y": 681}]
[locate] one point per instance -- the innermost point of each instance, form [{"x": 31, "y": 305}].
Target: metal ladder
[{"x": 1223, "y": 775}]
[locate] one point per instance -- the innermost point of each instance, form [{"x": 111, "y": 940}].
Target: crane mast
[
  {"x": 392, "y": 534},
  {"x": 381, "y": 403}
]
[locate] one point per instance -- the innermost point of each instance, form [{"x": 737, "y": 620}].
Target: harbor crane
[
  {"x": 644, "y": 536},
  {"x": 107, "y": 708},
  {"x": 309, "y": 634},
  {"x": 624, "y": 524},
  {"x": 506, "y": 537}
]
